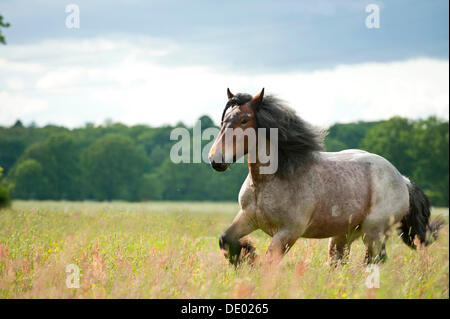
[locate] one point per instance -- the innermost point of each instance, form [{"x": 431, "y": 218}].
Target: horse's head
[{"x": 237, "y": 126}]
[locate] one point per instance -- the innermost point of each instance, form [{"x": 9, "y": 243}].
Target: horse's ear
[
  {"x": 230, "y": 95},
  {"x": 256, "y": 101}
]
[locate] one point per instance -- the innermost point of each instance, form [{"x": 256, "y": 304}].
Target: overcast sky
[{"x": 161, "y": 62}]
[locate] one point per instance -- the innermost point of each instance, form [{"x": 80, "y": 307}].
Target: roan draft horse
[{"x": 315, "y": 194}]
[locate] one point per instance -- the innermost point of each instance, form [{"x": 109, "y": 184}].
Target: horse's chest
[{"x": 266, "y": 206}]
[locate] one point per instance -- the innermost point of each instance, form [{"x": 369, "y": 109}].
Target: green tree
[
  {"x": 200, "y": 182},
  {"x": 334, "y": 145},
  {"x": 11, "y": 147},
  {"x": 151, "y": 187},
  {"x": 114, "y": 161},
  {"x": 206, "y": 122},
  {"x": 345, "y": 136},
  {"x": 18, "y": 123},
  {"x": 113, "y": 166},
  {"x": 59, "y": 157},
  {"x": 392, "y": 140},
  {"x": 29, "y": 180},
  {"x": 3, "y": 25},
  {"x": 5, "y": 197},
  {"x": 430, "y": 150}
]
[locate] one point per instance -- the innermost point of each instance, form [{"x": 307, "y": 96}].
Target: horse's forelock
[{"x": 238, "y": 99}]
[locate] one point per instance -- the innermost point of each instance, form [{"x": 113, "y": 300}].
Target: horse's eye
[{"x": 244, "y": 121}]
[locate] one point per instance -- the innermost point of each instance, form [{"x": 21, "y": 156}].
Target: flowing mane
[{"x": 297, "y": 139}]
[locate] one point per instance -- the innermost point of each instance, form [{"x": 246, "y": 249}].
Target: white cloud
[
  {"x": 9, "y": 65},
  {"x": 13, "y": 107},
  {"x": 91, "y": 80}
]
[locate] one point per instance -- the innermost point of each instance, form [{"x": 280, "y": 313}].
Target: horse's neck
[
  {"x": 258, "y": 169},
  {"x": 298, "y": 173},
  {"x": 254, "y": 171}
]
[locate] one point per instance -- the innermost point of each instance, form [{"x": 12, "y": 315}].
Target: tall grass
[{"x": 170, "y": 250}]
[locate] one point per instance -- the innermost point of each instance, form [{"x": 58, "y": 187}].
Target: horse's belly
[
  {"x": 339, "y": 207},
  {"x": 335, "y": 220}
]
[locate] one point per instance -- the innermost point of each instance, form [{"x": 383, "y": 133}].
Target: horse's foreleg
[
  {"x": 232, "y": 242},
  {"x": 281, "y": 242}
]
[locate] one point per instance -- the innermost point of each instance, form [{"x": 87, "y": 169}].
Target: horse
[{"x": 313, "y": 194}]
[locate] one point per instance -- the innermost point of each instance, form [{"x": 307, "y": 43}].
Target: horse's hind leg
[
  {"x": 338, "y": 249},
  {"x": 339, "y": 246}
]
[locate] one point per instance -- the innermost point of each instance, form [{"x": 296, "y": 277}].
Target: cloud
[
  {"x": 16, "y": 106},
  {"x": 370, "y": 91},
  {"x": 94, "y": 79},
  {"x": 249, "y": 36}
]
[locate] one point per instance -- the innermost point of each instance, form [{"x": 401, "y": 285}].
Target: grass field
[{"x": 170, "y": 250}]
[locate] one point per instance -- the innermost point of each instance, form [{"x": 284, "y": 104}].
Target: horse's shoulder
[{"x": 246, "y": 194}]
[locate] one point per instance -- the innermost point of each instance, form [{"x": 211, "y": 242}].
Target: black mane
[{"x": 297, "y": 139}]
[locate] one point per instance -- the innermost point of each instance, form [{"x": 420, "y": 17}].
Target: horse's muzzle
[{"x": 220, "y": 167}]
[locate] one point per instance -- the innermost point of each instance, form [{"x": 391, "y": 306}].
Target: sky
[{"x": 162, "y": 62}]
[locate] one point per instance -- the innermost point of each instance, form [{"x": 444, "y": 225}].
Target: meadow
[{"x": 170, "y": 250}]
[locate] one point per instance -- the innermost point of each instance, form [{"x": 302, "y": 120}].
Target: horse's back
[{"x": 384, "y": 176}]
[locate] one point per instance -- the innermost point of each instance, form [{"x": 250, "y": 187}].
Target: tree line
[{"x": 118, "y": 162}]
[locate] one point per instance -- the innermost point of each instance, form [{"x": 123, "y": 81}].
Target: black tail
[{"x": 417, "y": 222}]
